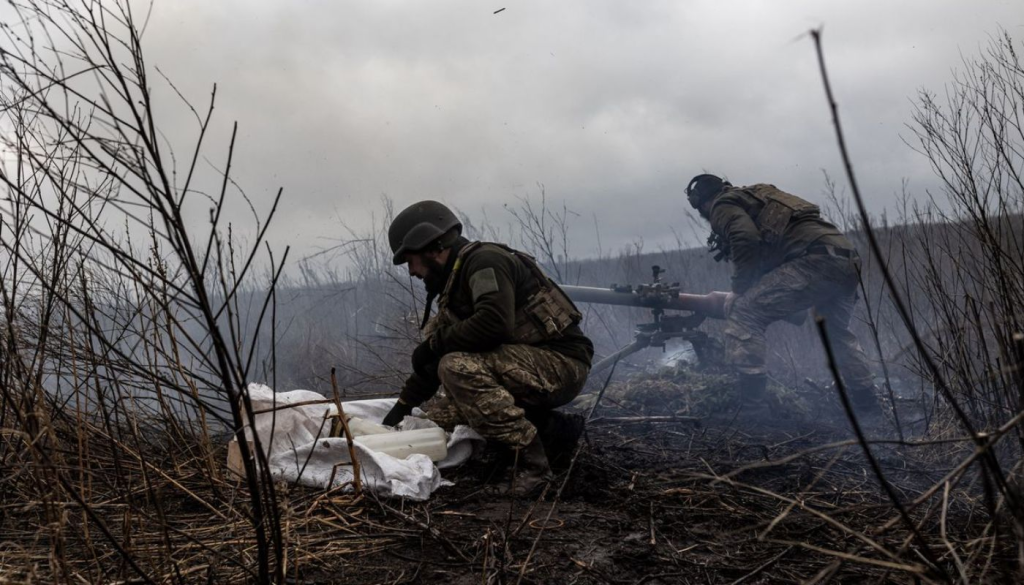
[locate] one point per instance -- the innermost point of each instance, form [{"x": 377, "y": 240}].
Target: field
[
  {"x": 730, "y": 497},
  {"x": 129, "y": 334}
]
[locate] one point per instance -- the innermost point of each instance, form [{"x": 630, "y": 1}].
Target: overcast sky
[{"x": 611, "y": 105}]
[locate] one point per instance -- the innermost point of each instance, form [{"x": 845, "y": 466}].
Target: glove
[
  {"x": 397, "y": 414},
  {"x": 425, "y": 361}
]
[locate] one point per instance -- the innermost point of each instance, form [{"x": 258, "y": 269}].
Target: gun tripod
[{"x": 662, "y": 328}]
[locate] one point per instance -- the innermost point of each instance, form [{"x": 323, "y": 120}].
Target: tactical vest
[
  {"x": 779, "y": 209},
  {"x": 772, "y": 210},
  {"x": 544, "y": 316}
]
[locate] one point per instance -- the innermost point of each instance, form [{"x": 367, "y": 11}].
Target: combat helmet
[
  {"x": 704, "y": 187},
  {"x": 418, "y": 226}
]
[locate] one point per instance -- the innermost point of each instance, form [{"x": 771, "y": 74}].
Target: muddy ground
[{"x": 740, "y": 495}]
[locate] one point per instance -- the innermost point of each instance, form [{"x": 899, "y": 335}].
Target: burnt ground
[{"x": 740, "y": 495}]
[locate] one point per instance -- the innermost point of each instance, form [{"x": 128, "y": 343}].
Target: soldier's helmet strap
[{"x": 427, "y": 305}]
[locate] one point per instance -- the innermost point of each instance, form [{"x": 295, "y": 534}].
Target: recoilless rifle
[{"x": 659, "y": 296}]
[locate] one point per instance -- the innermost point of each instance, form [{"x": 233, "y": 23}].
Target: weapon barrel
[{"x": 711, "y": 305}]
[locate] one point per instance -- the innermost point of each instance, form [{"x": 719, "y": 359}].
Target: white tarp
[{"x": 292, "y": 427}]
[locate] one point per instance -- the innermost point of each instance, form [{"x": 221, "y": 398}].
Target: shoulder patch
[{"x": 483, "y": 282}]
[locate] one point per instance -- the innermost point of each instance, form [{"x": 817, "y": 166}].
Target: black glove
[
  {"x": 425, "y": 361},
  {"x": 398, "y": 413}
]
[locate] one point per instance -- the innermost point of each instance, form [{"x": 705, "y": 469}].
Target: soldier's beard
[{"x": 435, "y": 279}]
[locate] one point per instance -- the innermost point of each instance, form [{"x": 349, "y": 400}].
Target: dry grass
[{"x": 129, "y": 334}]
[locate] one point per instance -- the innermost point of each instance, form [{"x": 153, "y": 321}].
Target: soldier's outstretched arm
[{"x": 418, "y": 390}]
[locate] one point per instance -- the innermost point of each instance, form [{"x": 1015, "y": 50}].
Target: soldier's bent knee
[
  {"x": 450, "y": 363},
  {"x": 744, "y": 313},
  {"x": 460, "y": 372}
]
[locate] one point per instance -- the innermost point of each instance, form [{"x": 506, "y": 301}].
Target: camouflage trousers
[
  {"x": 826, "y": 283},
  {"x": 490, "y": 390}
]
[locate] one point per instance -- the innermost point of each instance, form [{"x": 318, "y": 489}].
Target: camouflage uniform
[
  {"x": 490, "y": 390},
  {"x": 824, "y": 283},
  {"x": 489, "y": 374},
  {"x": 799, "y": 262}
]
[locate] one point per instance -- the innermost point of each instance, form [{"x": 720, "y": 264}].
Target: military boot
[
  {"x": 532, "y": 469},
  {"x": 561, "y": 437},
  {"x": 560, "y": 432}
]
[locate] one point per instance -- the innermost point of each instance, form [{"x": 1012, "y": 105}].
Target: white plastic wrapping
[{"x": 294, "y": 428}]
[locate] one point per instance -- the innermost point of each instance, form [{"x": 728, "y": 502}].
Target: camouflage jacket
[
  {"x": 738, "y": 225},
  {"x": 490, "y": 286}
]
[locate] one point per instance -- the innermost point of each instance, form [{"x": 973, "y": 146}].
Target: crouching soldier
[
  {"x": 786, "y": 259},
  {"x": 506, "y": 340}
]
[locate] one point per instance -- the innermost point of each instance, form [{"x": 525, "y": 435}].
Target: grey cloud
[{"x": 610, "y": 105}]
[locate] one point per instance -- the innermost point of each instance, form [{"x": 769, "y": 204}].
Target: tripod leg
[
  {"x": 610, "y": 361},
  {"x": 638, "y": 344}
]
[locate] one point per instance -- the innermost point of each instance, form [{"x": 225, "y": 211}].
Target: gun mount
[{"x": 658, "y": 296}]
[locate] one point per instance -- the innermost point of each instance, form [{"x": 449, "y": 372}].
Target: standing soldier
[
  {"x": 505, "y": 337},
  {"x": 786, "y": 259}
]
